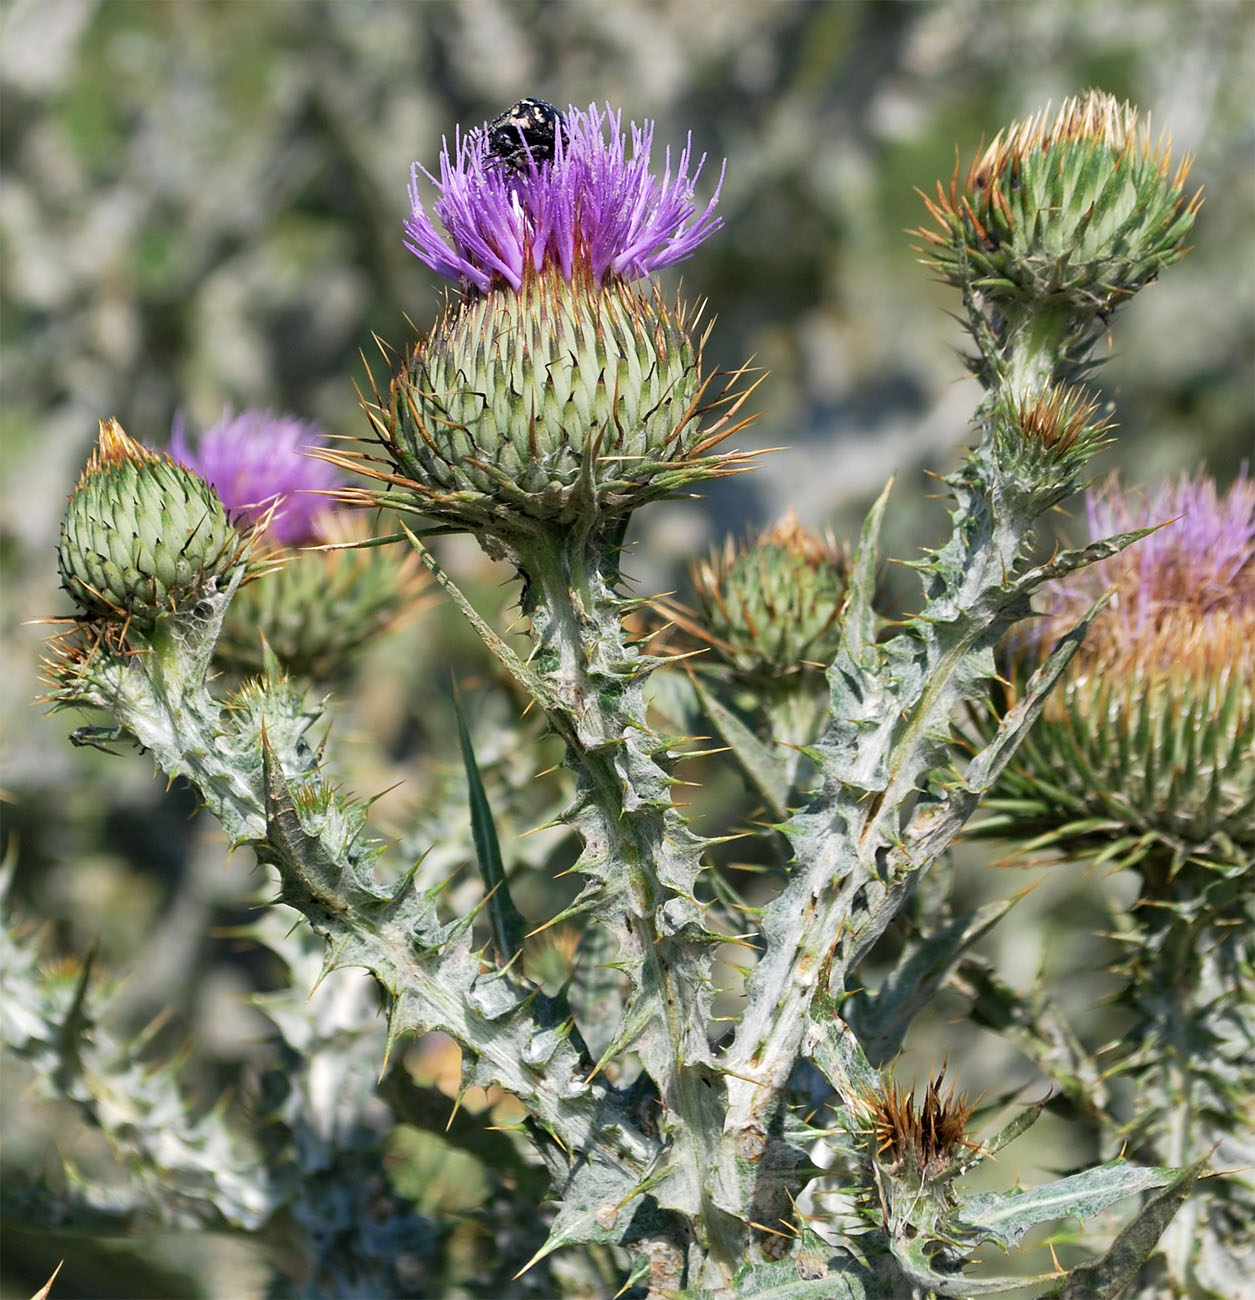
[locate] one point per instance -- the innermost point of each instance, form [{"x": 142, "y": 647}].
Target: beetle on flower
[
  {"x": 556, "y": 387},
  {"x": 593, "y": 207}
]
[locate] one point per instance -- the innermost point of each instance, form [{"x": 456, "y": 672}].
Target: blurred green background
[{"x": 201, "y": 205}]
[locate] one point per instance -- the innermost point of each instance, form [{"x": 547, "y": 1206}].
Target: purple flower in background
[
  {"x": 1189, "y": 586},
  {"x": 1193, "y": 561},
  {"x": 256, "y": 460},
  {"x": 594, "y": 208}
]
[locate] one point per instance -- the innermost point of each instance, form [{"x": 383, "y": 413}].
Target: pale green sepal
[
  {"x": 1065, "y": 562},
  {"x": 526, "y": 678},
  {"x": 597, "y": 1204},
  {"x": 597, "y": 988},
  {"x": 833, "y": 1047},
  {"x": 935, "y": 830},
  {"x": 924, "y": 1279}
]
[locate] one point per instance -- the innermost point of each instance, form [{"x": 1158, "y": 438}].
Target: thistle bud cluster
[
  {"x": 556, "y": 396},
  {"x": 1064, "y": 217}
]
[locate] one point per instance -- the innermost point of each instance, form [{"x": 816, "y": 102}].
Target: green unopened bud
[
  {"x": 317, "y": 609},
  {"x": 143, "y": 536},
  {"x": 772, "y": 607},
  {"x": 1081, "y": 209},
  {"x": 561, "y": 402},
  {"x": 1044, "y": 436}
]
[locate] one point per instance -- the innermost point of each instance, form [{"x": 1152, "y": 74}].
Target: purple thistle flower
[
  {"x": 256, "y": 460},
  {"x": 1195, "y": 560},
  {"x": 591, "y": 209},
  {"x": 1194, "y": 571}
]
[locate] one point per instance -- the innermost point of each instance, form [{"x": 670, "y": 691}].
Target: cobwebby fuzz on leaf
[{"x": 557, "y": 388}]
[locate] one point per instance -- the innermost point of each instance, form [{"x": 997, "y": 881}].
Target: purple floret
[
  {"x": 1200, "y": 564},
  {"x": 256, "y": 460},
  {"x": 1198, "y": 556},
  {"x": 594, "y": 209}
]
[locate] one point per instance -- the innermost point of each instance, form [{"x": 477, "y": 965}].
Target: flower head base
[
  {"x": 143, "y": 536},
  {"x": 565, "y": 401},
  {"x": 1146, "y": 750},
  {"x": 771, "y": 607},
  {"x": 259, "y": 465},
  {"x": 1079, "y": 208},
  {"x": 593, "y": 211}
]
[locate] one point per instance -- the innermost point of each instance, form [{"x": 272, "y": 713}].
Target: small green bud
[
  {"x": 911, "y": 1156},
  {"x": 317, "y": 608},
  {"x": 771, "y": 607},
  {"x": 1045, "y": 435},
  {"x": 563, "y": 401},
  {"x": 1083, "y": 209},
  {"x": 143, "y": 536}
]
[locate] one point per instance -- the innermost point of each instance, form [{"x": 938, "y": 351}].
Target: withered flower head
[{"x": 924, "y": 1140}]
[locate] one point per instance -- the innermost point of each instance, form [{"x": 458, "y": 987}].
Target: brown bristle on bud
[
  {"x": 1057, "y": 417},
  {"x": 114, "y": 444},
  {"x": 927, "y": 1137}
]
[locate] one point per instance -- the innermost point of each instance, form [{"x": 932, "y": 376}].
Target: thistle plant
[
  {"x": 1144, "y": 759},
  {"x": 561, "y": 392}
]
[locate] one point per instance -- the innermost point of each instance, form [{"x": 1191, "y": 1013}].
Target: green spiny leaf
[
  {"x": 767, "y": 769},
  {"x": 508, "y": 926},
  {"x": 1107, "y": 1278},
  {"x": 1006, "y": 1217}
]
